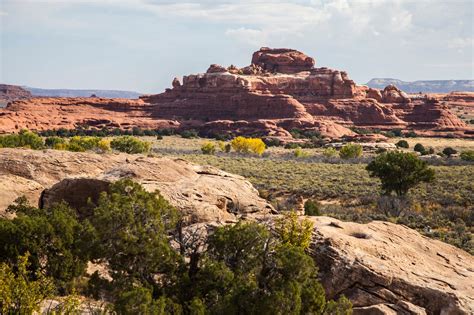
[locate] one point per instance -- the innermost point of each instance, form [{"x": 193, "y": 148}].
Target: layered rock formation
[
  {"x": 279, "y": 91},
  {"x": 382, "y": 267}
]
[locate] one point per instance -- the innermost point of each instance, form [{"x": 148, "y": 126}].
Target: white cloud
[
  {"x": 247, "y": 36},
  {"x": 460, "y": 43}
]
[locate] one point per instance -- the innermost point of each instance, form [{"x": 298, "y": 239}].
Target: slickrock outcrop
[
  {"x": 281, "y": 89},
  {"x": 386, "y": 266},
  {"x": 54, "y": 113},
  {"x": 201, "y": 193}
]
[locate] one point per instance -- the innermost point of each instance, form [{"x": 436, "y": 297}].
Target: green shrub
[
  {"x": 25, "y": 138},
  {"x": 55, "y": 142},
  {"x": 411, "y": 134},
  {"x": 82, "y": 143},
  {"x": 419, "y": 148},
  {"x": 291, "y": 145},
  {"x": 130, "y": 145},
  {"x": 350, "y": 151},
  {"x": 208, "y": 148},
  {"x": 467, "y": 155},
  {"x": 188, "y": 134},
  {"x": 396, "y": 132},
  {"x": 330, "y": 152},
  {"x": 272, "y": 142},
  {"x": 311, "y": 208},
  {"x": 402, "y": 144},
  {"x": 299, "y": 153},
  {"x": 448, "y": 151}
]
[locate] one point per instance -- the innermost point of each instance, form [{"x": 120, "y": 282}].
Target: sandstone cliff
[{"x": 281, "y": 90}]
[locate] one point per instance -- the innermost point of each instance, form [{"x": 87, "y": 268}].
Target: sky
[{"x": 141, "y": 45}]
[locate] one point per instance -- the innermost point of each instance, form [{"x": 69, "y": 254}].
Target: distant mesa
[
  {"x": 279, "y": 91},
  {"x": 428, "y": 86},
  {"x": 82, "y": 93}
]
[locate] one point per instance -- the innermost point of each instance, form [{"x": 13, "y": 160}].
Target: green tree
[
  {"x": 399, "y": 172},
  {"x": 132, "y": 228},
  {"x": 448, "y": 151},
  {"x": 350, "y": 151},
  {"x": 56, "y": 241}
]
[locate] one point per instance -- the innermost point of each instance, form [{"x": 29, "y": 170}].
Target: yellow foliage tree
[
  {"x": 248, "y": 145},
  {"x": 293, "y": 231}
]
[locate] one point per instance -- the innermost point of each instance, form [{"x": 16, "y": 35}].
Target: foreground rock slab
[
  {"x": 201, "y": 193},
  {"x": 386, "y": 268}
]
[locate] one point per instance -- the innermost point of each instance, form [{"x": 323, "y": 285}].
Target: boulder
[{"x": 201, "y": 193}]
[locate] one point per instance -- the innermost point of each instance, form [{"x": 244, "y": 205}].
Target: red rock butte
[{"x": 280, "y": 90}]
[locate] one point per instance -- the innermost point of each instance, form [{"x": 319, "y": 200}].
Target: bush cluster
[
  {"x": 244, "y": 268},
  {"x": 468, "y": 155},
  {"x": 248, "y": 145},
  {"x": 209, "y": 148},
  {"x": 350, "y": 151},
  {"x": 24, "y": 138},
  {"x": 129, "y": 144}
]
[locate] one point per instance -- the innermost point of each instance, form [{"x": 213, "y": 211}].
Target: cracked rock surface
[
  {"x": 392, "y": 266},
  {"x": 201, "y": 193}
]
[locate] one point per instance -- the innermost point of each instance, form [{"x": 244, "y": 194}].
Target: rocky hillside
[
  {"x": 428, "y": 86},
  {"x": 281, "y": 90},
  {"x": 12, "y": 92},
  {"x": 382, "y": 267}
]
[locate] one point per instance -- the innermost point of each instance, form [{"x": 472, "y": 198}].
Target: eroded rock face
[
  {"x": 392, "y": 94},
  {"x": 382, "y": 263},
  {"x": 201, "y": 193},
  {"x": 282, "y": 60},
  {"x": 279, "y": 90}
]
